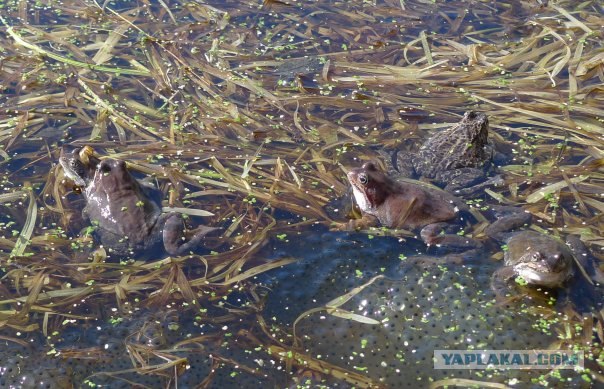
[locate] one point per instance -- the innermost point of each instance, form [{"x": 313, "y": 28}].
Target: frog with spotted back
[
  {"x": 457, "y": 159},
  {"x": 127, "y": 214}
]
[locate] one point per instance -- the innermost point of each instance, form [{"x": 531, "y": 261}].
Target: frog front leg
[
  {"x": 173, "y": 234},
  {"x": 401, "y": 164},
  {"x": 357, "y": 224},
  {"x": 500, "y": 282}
]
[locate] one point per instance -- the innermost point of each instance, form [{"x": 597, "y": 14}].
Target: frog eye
[
  {"x": 105, "y": 167},
  {"x": 77, "y": 167},
  {"x": 363, "y": 178},
  {"x": 535, "y": 257}
]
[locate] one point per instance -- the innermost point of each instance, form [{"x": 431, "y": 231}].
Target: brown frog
[
  {"x": 127, "y": 214},
  {"x": 457, "y": 159},
  {"x": 538, "y": 260},
  {"x": 437, "y": 214}
]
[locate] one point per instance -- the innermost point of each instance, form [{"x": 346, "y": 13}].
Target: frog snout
[
  {"x": 105, "y": 166},
  {"x": 109, "y": 165}
]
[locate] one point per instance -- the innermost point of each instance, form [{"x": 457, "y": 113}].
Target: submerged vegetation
[{"x": 254, "y": 111}]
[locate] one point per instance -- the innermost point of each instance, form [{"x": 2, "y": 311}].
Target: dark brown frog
[
  {"x": 127, "y": 214},
  {"x": 457, "y": 159}
]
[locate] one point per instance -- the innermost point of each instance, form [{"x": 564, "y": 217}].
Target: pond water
[{"x": 247, "y": 115}]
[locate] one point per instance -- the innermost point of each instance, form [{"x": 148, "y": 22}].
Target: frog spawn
[
  {"x": 428, "y": 310},
  {"x": 24, "y": 373},
  {"x": 420, "y": 309},
  {"x": 98, "y": 352}
]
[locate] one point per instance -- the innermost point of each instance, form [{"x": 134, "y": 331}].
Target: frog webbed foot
[{"x": 174, "y": 238}]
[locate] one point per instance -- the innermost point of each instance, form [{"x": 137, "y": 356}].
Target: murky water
[{"x": 254, "y": 111}]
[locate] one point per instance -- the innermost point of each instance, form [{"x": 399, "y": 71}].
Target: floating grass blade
[
  {"x": 462, "y": 382},
  {"x": 13, "y": 196},
  {"x": 549, "y": 189},
  {"x": 333, "y": 307},
  {"x": 257, "y": 270},
  {"x": 28, "y": 228},
  {"x": 188, "y": 211},
  {"x": 19, "y": 40}
]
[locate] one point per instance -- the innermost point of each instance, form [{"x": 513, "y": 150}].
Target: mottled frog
[{"x": 457, "y": 159}]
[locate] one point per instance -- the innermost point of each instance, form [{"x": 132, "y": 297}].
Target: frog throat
[{"x": 361, "y": 198}]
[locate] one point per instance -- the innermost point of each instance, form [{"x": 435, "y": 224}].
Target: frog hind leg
[
  {"x": 582, "y": 297},
  {"x": 478, "y": 189},
  {"x": 584, "y": 301},
  {"x": 174, "y": 239},
  {"x": 427, "y": 261},
  {"x": 585, "y": 260},
  {"x": 508, "y": 220},
  {"x": 439, "y": 234},
  {"x": 464, "y": 177}
]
